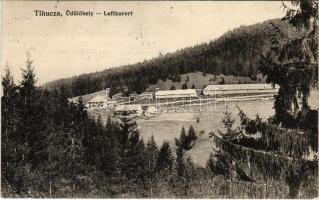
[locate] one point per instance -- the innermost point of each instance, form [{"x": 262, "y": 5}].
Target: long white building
[
  {"x": 101, "y": 101},
  {"x": 172, "y": 94},
  {"x": 135, "y": 109},
  {"x": 239, "y": 89}
]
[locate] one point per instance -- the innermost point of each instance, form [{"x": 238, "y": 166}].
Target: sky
[{"x": 70, "y": 45}]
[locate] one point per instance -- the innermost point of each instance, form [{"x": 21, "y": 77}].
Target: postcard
[{"x": 159, "y": 99}]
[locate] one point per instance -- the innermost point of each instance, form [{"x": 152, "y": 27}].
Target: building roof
[
  {"x": 151, "y": 109},
  {"x": 98, "y": 98},
  {"x": 176, "y": 92},
  {"x": 255, "y": 86},
  {"x": 128, "y": 107}
]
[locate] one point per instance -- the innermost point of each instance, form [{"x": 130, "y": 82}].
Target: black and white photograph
[{"x": 159, "y": 99}]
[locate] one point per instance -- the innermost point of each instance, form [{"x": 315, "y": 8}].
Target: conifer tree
[
  {"x": 32, "y": 113},
  {"x": 126, "y": 125},
  {"x": 135, "y": 158},
  {"x": 73, "y": 159},
  {"x": 151, "y": 152},
  {"x": 132, "y": 152},
  {"x": 63, "y": 115},
  {"x": 187, "y": 79},
  {"x": 52, "y": 164},
  {"x": 103, "y": 149},
  {"x": 165, "y": 157},
  {"x": 180, "y": 163},
  {"x": 228, "y": 122},
  {"x": 292, "y": 63},
  {"x": 184, "y": 86},
  {"x": 8, "y": 101},
  {"x": 182, "y": 141},
  {"x": 111, "y": 152},
  {"x": 191, "y": 136},
  {"x": 10, "y": 138},
  {"x": 152, "y": 155},
  {"x": 181, "y": 145},
  {"x": 222, "y": 82},
  {"x": 90, "y": 143}
]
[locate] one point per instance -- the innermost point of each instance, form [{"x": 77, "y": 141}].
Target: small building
[
  {"x": 97, "y": 102},
  {"x": 132, "y": 109},
  {"x": 239, "y": 89},
  {"x": 133, "y": 96},
  {"x": 172, "y": 94},
  {"x": 101, "y": 102},
  {"x": 111, "y": 103},
  {"x": 151, "y": 111}
]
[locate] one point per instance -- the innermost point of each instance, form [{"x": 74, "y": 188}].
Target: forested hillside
[{"x": 236, "y": 53}]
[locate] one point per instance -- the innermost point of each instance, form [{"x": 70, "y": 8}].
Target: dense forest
[{"x": 237, "y": 52}]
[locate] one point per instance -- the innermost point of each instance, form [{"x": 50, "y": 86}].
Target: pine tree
[
  {"x": 104, "y": 149},
  {"x": 52, "y": 163},
  {"x": 32, "y": 112},
  {"x": 62, "y": 115},
  {"x": 132, "y": 152},
  {"x": 292, "y": 63},
  {"x": 184, "y": 86},
  {"x": 165, "y": 157},
  {"x": 182, "y": 141},
  {"x": 73, "y": 155},
  {"x": 179, "y": 162},
  {"x": 151, "y": 153},
  {"x": 98, "y": 143},
  {"x": 187, "y": 79},
  {"x": 191, "y": 136},
  {"x": 9, "y": 89},
  {"x": 181, "y": 145},
  {"x": 126, "y": 126},
  {"x": 222, "y": 82},
  {"x": 90, "y": 142},
  {"x": 151, "y": 156},
  {"x": 10, "y": 139},
  {"x": 82, "y": 112},
  {"x": 135, "y": 159},
  {"x": 228, "y": 122},
  {"x": 8, "y": 101},
  {"x": 112, "y": 149}
]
